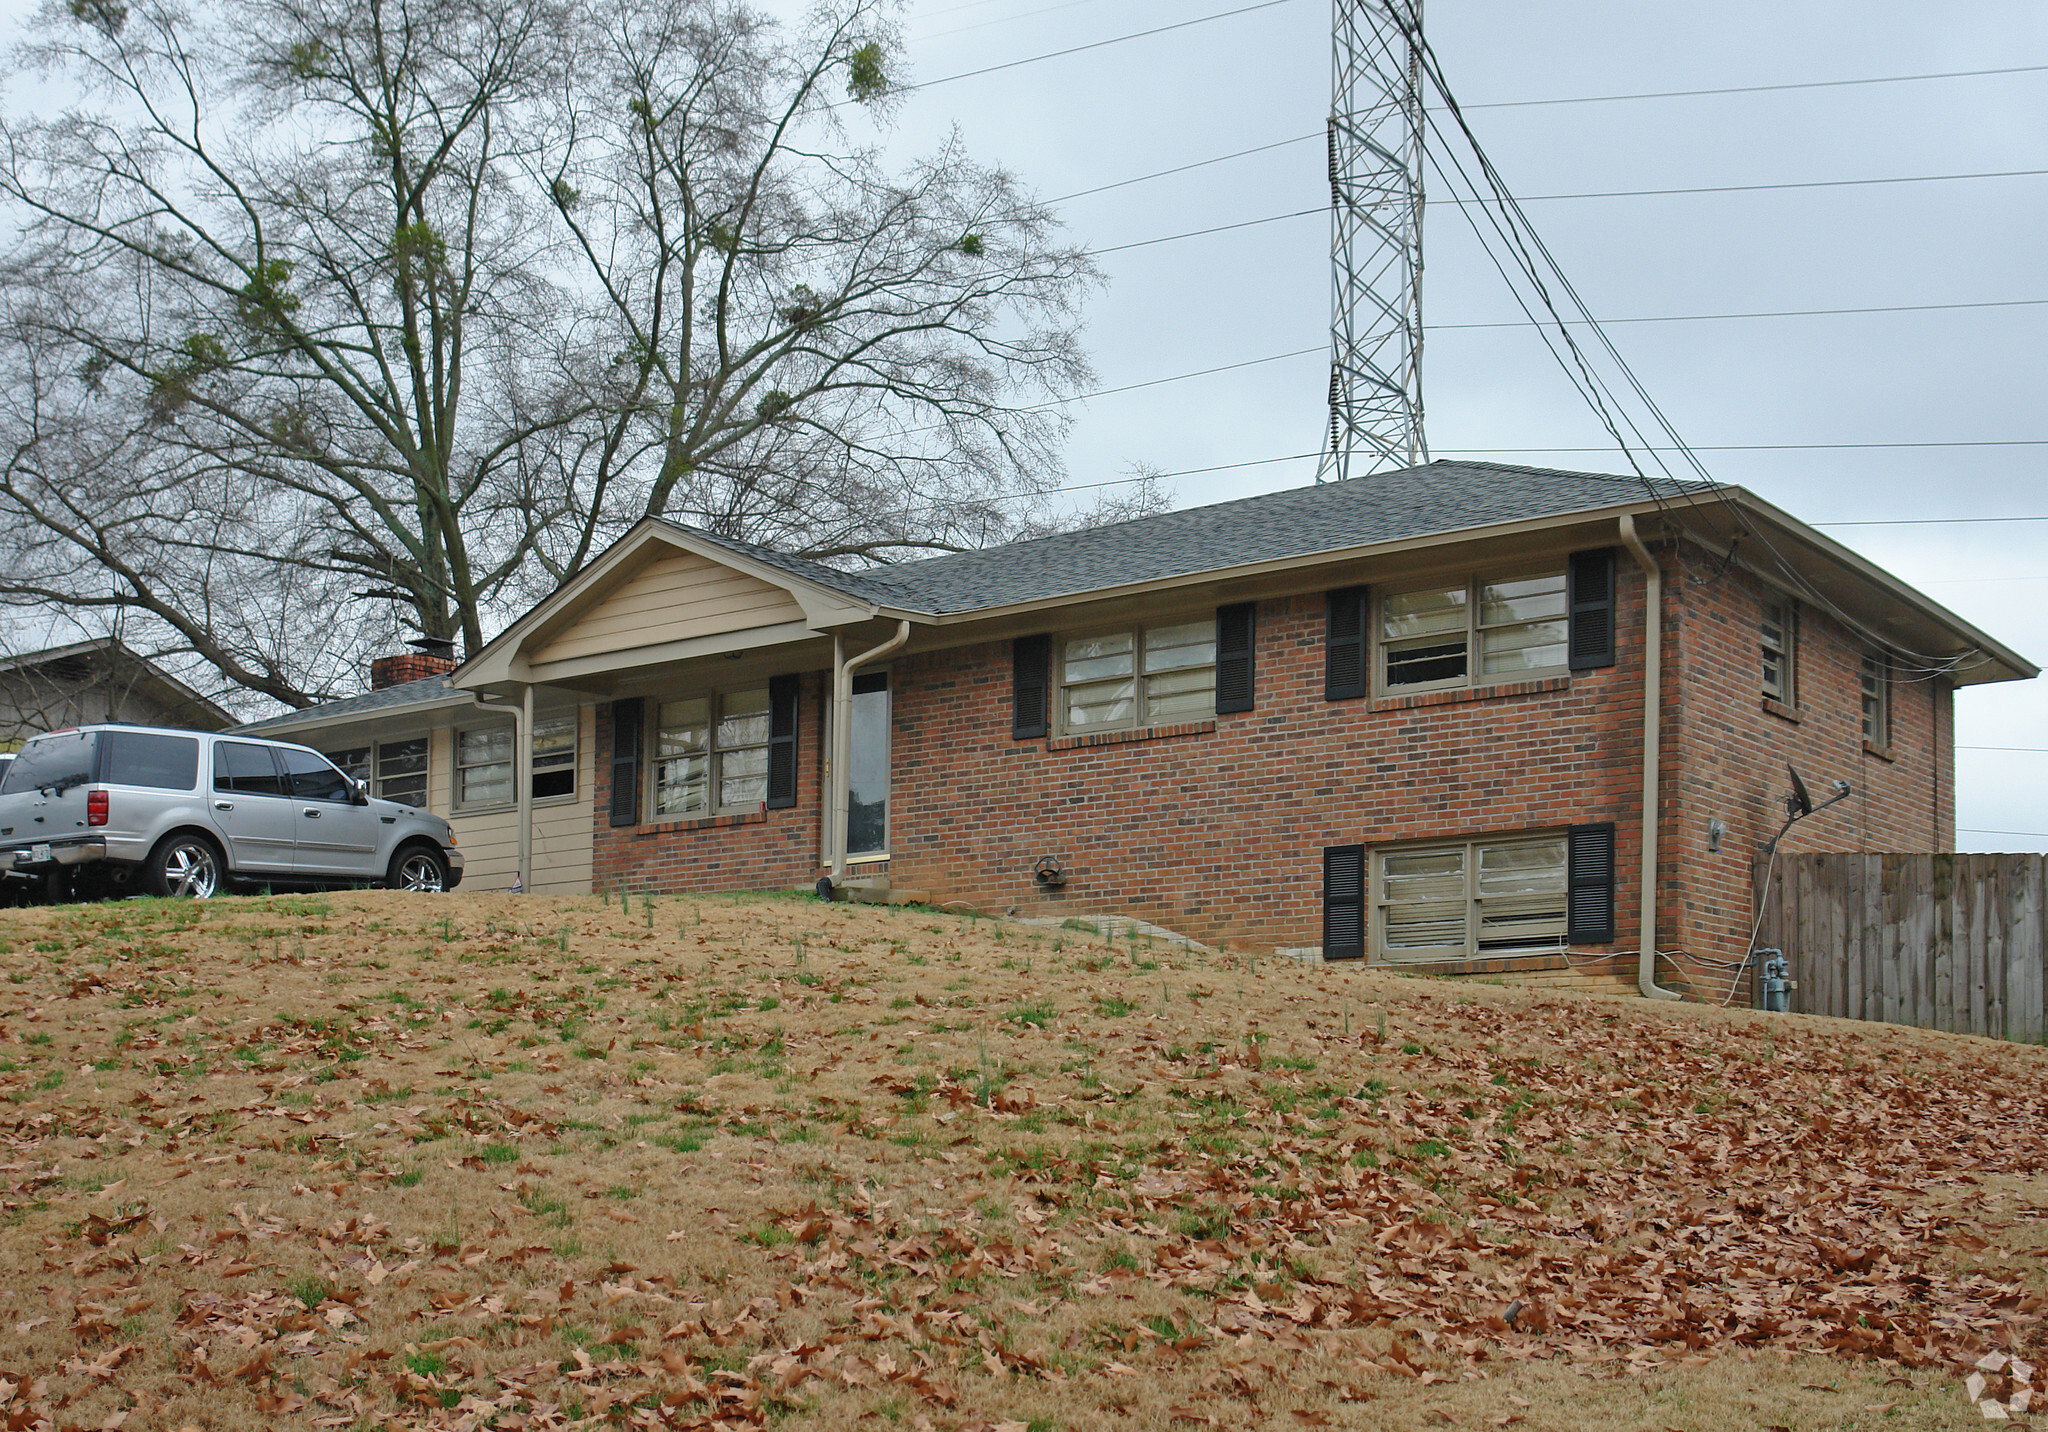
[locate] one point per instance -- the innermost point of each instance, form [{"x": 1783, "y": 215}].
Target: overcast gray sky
[
  {"x": 1961, "y": 376},
  {"x": 1958, "y": 376}
]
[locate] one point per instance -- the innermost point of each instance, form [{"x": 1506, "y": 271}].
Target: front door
[
  {"x": 337, "y": 837},
  {"x": 251, "y": 808},
  {"x": 867, "y": 767}
]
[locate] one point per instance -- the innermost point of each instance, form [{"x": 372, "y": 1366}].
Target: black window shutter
[
  {"x": 1344, "y": 902},
  {"x": 1589, "y": 881},
  {"x": 1236, "y": 656},
  {"x": 1344, "y": 645},
  {"x": 626, "y": 761},
  {"x": 1030, "y": 692},
  {"x": 782, "y": 707},
  {"x": 1590, "y": 596}
]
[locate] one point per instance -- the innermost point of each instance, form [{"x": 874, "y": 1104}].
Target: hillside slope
[{"x": 483, "y": 1161}]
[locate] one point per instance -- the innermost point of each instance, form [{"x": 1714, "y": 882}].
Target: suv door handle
[
  {"x": 310, "y": 813},
  {"x": 223, "y": 805}
]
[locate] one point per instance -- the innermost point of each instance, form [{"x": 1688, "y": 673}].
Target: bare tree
[
  {"x": 812, "y": 352},
  {"x": 346, "y": 316}
]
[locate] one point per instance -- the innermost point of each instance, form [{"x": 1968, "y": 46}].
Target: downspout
[
  {"x": 838, "y": 783},
  {"x": 522, "y": 774},
  {"x": 1653, "y": 717}
]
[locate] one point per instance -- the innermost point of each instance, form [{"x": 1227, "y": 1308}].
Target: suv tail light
[{"x": 95, "y": 807}]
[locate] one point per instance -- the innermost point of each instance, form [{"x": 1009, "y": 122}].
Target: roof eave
[
  {"x": 1996, "y": 653},
  {"x": 312, "y": 719}
]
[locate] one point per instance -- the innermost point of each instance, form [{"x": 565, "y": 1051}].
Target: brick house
[{"x": 1411, "y": 718}]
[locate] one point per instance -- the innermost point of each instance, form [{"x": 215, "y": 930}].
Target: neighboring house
[
  {"x": 1404, "y": 717},
  {"x": 95, "y": 680},
  {"x": 414, "y": 738}
]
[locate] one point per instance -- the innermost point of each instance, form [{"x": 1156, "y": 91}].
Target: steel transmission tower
[{"x": 1375, "y": 239}]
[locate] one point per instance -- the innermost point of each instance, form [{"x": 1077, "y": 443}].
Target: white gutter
[
  {"x": 1653, "y": 715},
  {"x": 836, "y": 775}
]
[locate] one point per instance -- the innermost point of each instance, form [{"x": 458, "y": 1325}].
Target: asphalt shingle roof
[
  {"x": 1385, "y": 507},
  {"x": 405, "y": 693}
]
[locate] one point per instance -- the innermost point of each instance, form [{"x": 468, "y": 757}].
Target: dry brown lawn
[{"x": 482, "y": 1161}]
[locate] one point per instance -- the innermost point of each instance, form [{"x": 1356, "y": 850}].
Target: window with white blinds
[{"x": 1470, "y": 898}]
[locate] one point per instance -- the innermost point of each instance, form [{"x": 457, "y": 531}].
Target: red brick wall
[
  {"x": 408, "y": 666},
  {"x": 766, "y": 850},
  {"x": 1730, "y": 748},
  {"x": 1220, "y": 833},
  {"x": 1218, "y": 829}
]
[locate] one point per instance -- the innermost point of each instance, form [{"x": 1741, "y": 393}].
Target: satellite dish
[{"x": 1799, "y": 803}]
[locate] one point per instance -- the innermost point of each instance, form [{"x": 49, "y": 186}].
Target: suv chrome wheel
[
  {"x": 419, "y": 870},
  {"x": 189, "y": 870}
]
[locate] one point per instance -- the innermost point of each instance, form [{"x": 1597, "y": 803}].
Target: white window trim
[
  {"x": 455, "y": 800},
  {"x": 1473, "y": 679},
  {"x": 1141, "y": 716},
  {"x": 1376, "y": 900},
  {"x": 712, "y": 751}
]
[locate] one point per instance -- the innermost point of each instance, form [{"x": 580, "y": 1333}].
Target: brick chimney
[{"x": 430, "y": 656}]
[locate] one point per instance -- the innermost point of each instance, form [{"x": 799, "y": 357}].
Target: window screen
[
  {"x": 554, "y": 756},
  {"x": 402, "y": 772},
  {"x": 483, "y": 766}
]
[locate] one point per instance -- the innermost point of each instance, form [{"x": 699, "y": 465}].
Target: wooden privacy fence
[{"x": 1949, "y": 942}]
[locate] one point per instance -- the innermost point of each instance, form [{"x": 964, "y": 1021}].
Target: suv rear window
[
  {"x": 49, "y": 762},
  {"x": 143, "y": 758}
]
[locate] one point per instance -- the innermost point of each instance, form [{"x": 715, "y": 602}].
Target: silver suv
[{"x": 101, "y": 809}]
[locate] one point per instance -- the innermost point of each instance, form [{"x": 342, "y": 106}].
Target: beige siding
[
  {"x": 674, "y": 597},
  {"x": 489, "y": 840}
]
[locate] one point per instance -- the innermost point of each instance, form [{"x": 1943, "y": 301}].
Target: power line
[
  {"x": 1482, "y": 202},
  {"x": 999, "y": 20},
  {"x": 1961, "y": 581},
  {"x": 1980, "y": 830},
  {"x": 1770, "y": 313},
  {"x": 1922, "y": 521},
  {"x": 1761, "y": 89},
  {"x": 1183, "y": 168},
  {"x": 2030, "y": 750},
  {"x": 1775, "y": 447},
  {"x": 1765, "y": 188},
  {"x": 1094, "y": 45},
  {"x": 1216, "y": 229}
]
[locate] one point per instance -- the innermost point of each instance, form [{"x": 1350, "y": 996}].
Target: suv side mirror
[{"x": 358, "y": 792}]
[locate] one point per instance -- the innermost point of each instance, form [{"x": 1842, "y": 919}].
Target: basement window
[
  {"x": 1475, "y": 633},
  {"x": 1470, "y": 898}
]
